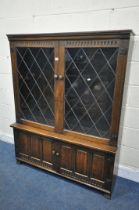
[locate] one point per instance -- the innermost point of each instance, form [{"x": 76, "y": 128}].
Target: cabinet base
[
  {"x": 90, "y": 167},
  {"x": 107, "y": 193}
]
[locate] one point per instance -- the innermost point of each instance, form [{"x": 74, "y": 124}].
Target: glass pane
[
  {"x": 35, "y": 68},
  {"x": 89, "y": 88}
]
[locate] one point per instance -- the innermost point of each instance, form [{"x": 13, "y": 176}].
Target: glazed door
[
  {"x": 67, "y": 85},
  {"x": 36, "y": 65},
  {"x": 90, "y": 74}
]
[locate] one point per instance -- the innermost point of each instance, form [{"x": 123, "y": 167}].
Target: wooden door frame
[
  {"x": 100, "y": 39},
  {"x": 118, "y": 90},
  {"x": 122, "y": 46},
  {"x": 13, "y": 46},
  {"x": 59, "y": 88}
]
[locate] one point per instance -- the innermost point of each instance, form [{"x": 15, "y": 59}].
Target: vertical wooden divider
[
  {"x": 59, "y": 87},
  {"x": 118, "y": 92},
  {"x": 15, "y": 78}
]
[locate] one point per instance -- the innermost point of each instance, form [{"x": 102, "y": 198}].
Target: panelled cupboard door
[
  {"x": 86, "y": 165},
  {"x": 81, "y": 162},
  {"x": 22, "y": 142},
  {"x": 98, "y": 166},
  {"x": 35, "y": 66},
  {"x": 48, "y": 151},
  {"x": 78, "y": 163},
  {"x": 66, "y": 158},
  {"x": 35, "y": 147},
  {"x": 94, "y": 167},
  {"x": 90, "y": 164},
  {"x": 28, "y": 145}
]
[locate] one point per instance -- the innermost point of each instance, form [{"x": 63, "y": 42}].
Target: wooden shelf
[{"x": 66, "y": 138}]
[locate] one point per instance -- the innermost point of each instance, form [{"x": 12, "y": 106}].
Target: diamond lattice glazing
[
  {"x": 89, "y": 88},
  {"x": 35, "y": 69}
]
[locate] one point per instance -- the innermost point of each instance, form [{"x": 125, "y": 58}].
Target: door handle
[
  {"x": 56, "y": 76},
  {"x": 53, "y": 152},
  {"x": 60, "y": 77}
]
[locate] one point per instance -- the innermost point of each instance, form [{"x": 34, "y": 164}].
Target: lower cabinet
[{"x": 88, "y": 166}]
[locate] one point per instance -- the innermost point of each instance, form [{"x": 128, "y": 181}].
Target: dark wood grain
[
  {"x": 98, "y": 166},
  {"x": 81, "y": 162},
  {"x": 15, "y": 81},
  {"x": 66, "y": 138},
  {"x": 87, "y": 159},
  {"x": 35, "y": 147},
  {"x": 23, "y": 142},
  {"x": 118, "y": 92},
  {"x": 119, "y": 34},
  {"x": 66, "y": 154},
  {"x": 59, "y": 91},
  {"x": 47, "y": 151}
]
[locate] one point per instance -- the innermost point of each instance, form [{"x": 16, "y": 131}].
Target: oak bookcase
[{"x": 68, "y": 93}]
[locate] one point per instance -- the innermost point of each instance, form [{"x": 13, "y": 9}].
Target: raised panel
[
  {"x": 47, "y": 151},
  {"x": 23, "y": 143},
  {"x": 66, "y": 157},
  {"x": 81, "y": 162},
  {"x": 35, "y": 147},
  {"x": 98, "y": 163}
]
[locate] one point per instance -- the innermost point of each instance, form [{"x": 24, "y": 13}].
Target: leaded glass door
[
  {"x": 67, "y": 85},
  {"x": 90, "y": 73},
  {"x": 35, "y": 66}
]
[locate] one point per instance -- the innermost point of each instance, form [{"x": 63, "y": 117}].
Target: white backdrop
[{"x": 48, "y": 16}]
